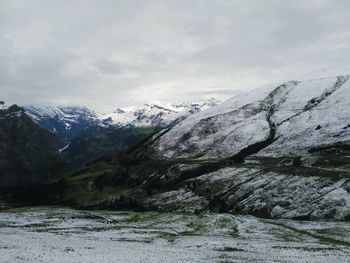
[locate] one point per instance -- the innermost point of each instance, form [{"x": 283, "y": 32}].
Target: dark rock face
[{"x": 28, "y": 153}]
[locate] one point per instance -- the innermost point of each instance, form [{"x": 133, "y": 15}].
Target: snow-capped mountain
[
  {"x": 68, "y": 122},
  {"x": 292, "y": 119},
  {"x": 155, "y": 113},
  {"x": 65, "y": 122}
]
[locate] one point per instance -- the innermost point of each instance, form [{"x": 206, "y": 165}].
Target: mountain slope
[
  {"x": 96, "y": 142},
  {"x": 275, "y": 152},
  {"x": 293, "y": 118},
  {"x": 28, "y": 153},
  {"x": 65, "y": 122}
]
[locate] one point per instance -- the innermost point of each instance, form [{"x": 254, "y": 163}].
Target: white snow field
[{"x": 44, "y": 234}]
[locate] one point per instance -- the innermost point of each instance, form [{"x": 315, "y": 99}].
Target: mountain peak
[
  {"x": 67, "y": 121},
  {"x": 64, "y": 121},
  {"x": 154, "y": 113}
]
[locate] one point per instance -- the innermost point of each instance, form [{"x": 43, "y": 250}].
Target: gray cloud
[{"x": 108, "y": 53}]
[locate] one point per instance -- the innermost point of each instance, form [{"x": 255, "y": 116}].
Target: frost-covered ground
[{"x": 65, "y": 235}]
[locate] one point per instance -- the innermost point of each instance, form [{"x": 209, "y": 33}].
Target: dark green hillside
[
  {"x": 28, "y": 153},
  {"x": 96, "y": 142}
]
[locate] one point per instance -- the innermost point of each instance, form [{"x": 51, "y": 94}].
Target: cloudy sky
[{"x": 110, "y": 53}]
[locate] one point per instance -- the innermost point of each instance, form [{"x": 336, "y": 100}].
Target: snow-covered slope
[
  {"x": 155, "y": 113},
  {"x": 65, "y": 122},
  {"x": 291, "y": 119}
]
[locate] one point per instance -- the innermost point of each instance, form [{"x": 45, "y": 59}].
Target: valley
[
  {"x": 175, "y": 131},
  {"x": 252, "y": 154},
  {"x": 276, "y": 158}
]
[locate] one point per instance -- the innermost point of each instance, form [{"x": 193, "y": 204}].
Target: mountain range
[
  {"x": 67, "y": 122},
  {"x": 155, "y": 113},
  {"x": 274, "y": 152}
]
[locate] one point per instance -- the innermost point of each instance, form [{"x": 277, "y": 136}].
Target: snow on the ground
[
  {"x": 322, "y": 125},
  {"x": 65, "y": 235}
]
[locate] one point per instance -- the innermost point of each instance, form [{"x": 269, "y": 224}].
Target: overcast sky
[{"x": 110, "y": 53}]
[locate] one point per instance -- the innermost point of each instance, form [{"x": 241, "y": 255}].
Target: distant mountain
[
  {"x": 155, "y": 113},
  {"x": 28, "y": 153},
  {"x": 65, "y": 122},
  {"x": 84, "y": 135}
]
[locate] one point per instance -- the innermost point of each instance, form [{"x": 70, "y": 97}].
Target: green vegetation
[{"x": 97, "y": 142}]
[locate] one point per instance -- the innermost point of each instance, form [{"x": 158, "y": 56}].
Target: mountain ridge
[
  {"x": 155, "y": 113},
  {"x": 246, "y": 116},
  {"x": 276, "y": 152},
  {"x": 66, "y": 122}
]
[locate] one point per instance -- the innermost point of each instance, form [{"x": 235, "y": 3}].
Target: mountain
[
  {"x": 28, "y": 153},
  {"x": 84, "y": 135},
  {"x": 126, "y": 127},
  {"x": 296, "y": 118},
  {"x": 274, "y": 152},
  {"x": 65, "y": 122},
  {"x": 155, "y": 113}
]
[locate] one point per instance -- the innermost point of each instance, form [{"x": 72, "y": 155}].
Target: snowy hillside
[
  {"x": 155, "y": 113},
  {"x": 274, "y": 152},
  {"x": 291, "y": 119}
]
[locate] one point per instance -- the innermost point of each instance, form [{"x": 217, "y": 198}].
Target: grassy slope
[
  {"x": 121, "y": 176},
  {"x": 96, "y": 142}
]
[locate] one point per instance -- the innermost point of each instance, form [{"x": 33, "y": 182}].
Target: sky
[{"x": 114, "y": 53}]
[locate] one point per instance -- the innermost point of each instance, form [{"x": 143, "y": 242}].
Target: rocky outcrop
[{"x": 28, "y": 153}]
